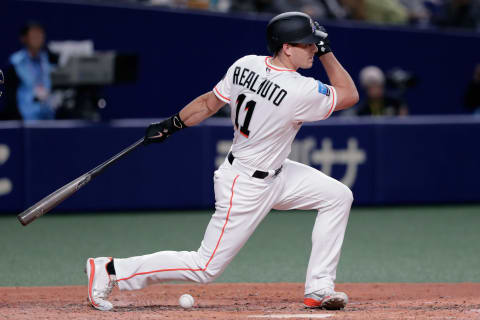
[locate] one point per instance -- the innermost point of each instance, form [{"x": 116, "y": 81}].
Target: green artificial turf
[{"x": 404, "y": 244}]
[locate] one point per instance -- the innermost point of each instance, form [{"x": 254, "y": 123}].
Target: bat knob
[{"x": 22, "y": 220}]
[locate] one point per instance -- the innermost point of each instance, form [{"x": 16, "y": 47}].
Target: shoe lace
[
  {"x": 111, "y": 284},
  {"x": 103, "y": 294},
  {"x": 324, "y": 293}
]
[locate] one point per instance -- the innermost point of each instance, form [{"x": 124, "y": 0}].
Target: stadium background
[{"x": 429, "y": 158}]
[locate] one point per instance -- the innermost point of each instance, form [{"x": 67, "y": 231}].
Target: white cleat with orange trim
[
  {"x": 100, "y": 283},
  {"x": 325, "y": 299}
]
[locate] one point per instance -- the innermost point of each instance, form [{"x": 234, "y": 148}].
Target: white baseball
[{"x": 186, "y": 301}]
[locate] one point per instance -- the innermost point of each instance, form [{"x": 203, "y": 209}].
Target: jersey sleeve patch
[
  {"x": 323, "y": 89},
  {"x": 332, "y": 107}
]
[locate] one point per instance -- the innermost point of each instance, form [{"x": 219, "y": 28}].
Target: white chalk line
[{"x": 296, "y": 316}]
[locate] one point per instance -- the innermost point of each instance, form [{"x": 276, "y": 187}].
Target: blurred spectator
[
  {"x": 418, "y": 14},
  {"x": 376, "y": 101},
  {"x": 444, "y": 13},
  {"x": 384, "y": 11},
  {"x": 320, "y": 9},
  {"x": 472, "y": 95},
  {"x": 28, "y": 78},
  {"x": 458, "y": 14},
  {"x": 334, "y": 9},
  {"x": 218, "y": 5}
]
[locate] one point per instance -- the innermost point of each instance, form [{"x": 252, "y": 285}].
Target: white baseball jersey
[{"x": 268, "y": 106}]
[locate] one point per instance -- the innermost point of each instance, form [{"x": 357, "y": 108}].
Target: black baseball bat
[{"x": 59, "y": 195}]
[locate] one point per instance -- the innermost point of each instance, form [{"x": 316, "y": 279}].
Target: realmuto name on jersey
[{"x": 264, "y": 88}]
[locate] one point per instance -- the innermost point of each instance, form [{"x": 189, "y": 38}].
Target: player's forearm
[
  {"x": 193, "y": 113},
  {"x": 200, "y": 109},
  {"x": 341, "y": 80}
]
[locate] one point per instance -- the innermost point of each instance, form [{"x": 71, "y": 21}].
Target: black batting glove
[
  {"x": 324, "y": 44},
  {"x": 159, "y": 131}
]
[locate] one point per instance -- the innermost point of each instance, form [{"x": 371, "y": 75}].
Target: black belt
[{"x": 257, "y": 174}]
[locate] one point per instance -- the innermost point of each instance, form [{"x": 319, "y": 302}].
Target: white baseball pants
[{"x": 241, "y": 203}]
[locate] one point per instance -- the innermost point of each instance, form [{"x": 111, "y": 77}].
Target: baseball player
[{"x": 269, "y": 102}]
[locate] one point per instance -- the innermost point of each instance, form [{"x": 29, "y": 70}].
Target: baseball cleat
[
  {"x": 100, "y": 283},
  {"x": 325, "y": 299}
]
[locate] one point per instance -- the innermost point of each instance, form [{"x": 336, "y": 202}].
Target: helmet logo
[{"x": 312, "y": 25}]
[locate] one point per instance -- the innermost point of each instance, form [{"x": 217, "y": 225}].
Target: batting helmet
[{"x": 292, "y": 27}]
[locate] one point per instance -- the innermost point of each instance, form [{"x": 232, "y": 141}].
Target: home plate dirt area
[{"x": 247, "y": 301}]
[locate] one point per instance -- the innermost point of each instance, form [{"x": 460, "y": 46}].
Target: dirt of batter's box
[{"x": 247, "y": 301}]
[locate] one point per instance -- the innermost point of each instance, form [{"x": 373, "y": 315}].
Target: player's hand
[
  {"x": 160, "y": 131},
  {"x": 324, "y": 44},
  {"x": 156, "y": 132}
]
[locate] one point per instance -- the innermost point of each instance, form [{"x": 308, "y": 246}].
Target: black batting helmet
[{"x": 292, "y": 27}]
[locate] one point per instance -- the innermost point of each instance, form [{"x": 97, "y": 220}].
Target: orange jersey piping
[{"x": 211, "y": 257}]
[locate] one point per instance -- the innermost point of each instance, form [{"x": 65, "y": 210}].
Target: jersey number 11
[{"x": 249, "y": 107}]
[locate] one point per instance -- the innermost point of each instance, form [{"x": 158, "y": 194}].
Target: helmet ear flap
[
  {"x": 274, "y": 50},
  {"x": 273, "y": 42}
]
